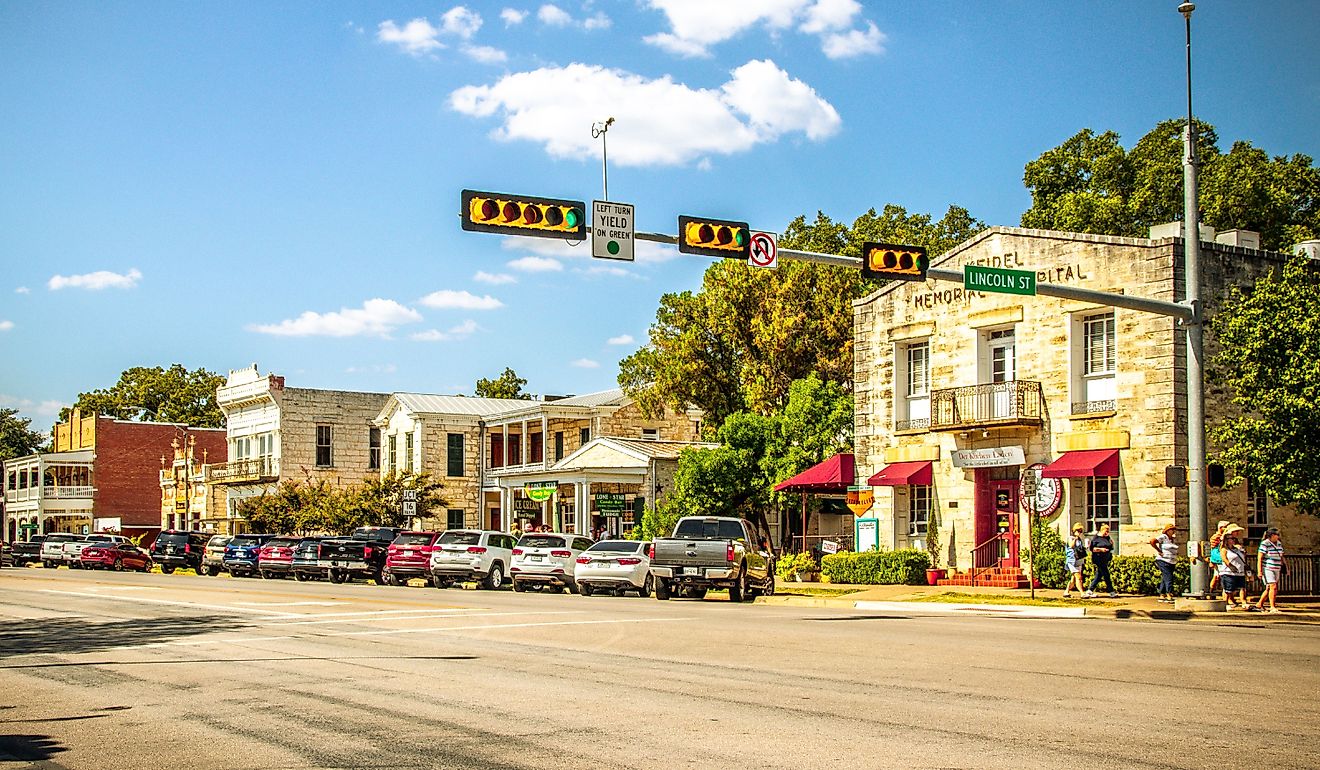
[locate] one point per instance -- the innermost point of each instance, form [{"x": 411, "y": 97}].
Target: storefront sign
[
  {"x": 524, "y": 504},
  {"x": 610, "y": 503},
  {"x": 860, "y": 500},
  {"x": 867, "y": 535},
  {"x": 1039, "y": 495},
  {"x": 540, "y": 491},
  {"x": 988, "y": 458}
]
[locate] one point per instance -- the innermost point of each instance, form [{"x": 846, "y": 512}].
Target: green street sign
[{"x": 999, "y": 280}]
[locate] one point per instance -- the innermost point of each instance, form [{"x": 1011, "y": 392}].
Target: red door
[{"x": 1005, "y": 495}]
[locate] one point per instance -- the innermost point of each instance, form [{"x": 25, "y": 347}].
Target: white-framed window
[
  {"x": 912, "y": 385},
  {"x": 1102, "y": 505},
  {"x": 325, "y": 457},
  {"x": 393, "y": 451},
  {"x": 1258, "y": 512},
  {"x": 1095, "y": 382},
  {"x": 408, "y": 452},
  {"x": 918, "y": 510},
  {"x": 373, "y": 449}
]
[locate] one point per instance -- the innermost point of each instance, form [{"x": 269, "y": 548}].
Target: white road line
[
  {"x": 288, "y": 604},
  {"x": 434, "y": 616},
  {"x": 196, "y": 605},
  {"x": 382, "y": 612},
  {"x": 502, "y": 625}
]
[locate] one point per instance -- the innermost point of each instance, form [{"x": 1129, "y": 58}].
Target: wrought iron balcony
[
  {"x": 247, "y": 471},
  {"x": 994, "y": 404}
]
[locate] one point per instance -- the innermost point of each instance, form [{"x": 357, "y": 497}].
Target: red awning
[
  {"x": 834, "y": 475},
  {"x": 902, "y": 475},
  {"x": 1089, "y": 462}
]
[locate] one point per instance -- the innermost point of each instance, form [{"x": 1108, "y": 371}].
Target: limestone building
[{"x": 959, "y": 393}]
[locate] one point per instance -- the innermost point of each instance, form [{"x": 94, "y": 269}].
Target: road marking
[
  {"x": 999, "y": 610},
  {"x": 199, "y": 642},
  {"x": 141, "y": 599},
  {"x": 429, "y": 616},
  {"x": 502, "y": 625},
  {"x": 382, "y": 612},
  {"x": 288, "y": 604}
]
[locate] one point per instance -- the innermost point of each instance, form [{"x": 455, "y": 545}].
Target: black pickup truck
[
  {"x": 361, "y": 554},
  {"x": 27, "y": 551}
]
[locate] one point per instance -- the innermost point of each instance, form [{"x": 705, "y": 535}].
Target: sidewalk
[{"x": 1124, "y": 607}]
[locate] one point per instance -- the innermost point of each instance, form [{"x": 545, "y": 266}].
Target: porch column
[
  {"x": 525, "y": 442},
  {"x": 505, "y": 428},
  {"x": 545, "y": 444}
]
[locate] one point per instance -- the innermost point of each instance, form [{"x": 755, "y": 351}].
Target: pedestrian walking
[
  {"x": 1233, "y": 569},
  {"x": 1271, "y": 568},
  {"x": 1166, "y": 551},
  {"x": 1074, "y": 558},
  {"x": 1102, "y": 551},
  {"x": 1216, "y": 559}
]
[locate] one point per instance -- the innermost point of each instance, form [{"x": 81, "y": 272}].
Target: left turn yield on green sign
[{"x": 612, "y": 230}]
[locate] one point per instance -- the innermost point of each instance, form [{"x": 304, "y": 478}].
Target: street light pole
[
  {"x": 1193, "y": 328},
  {"x": 598, "y": 132}
]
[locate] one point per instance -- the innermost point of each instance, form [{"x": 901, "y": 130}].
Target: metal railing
[
  {"x": 1091, "y": 407},
  {"x": 985, "y": 557},
  {"x": 1302, "y": 577},
  {"x": 995, "y": 403},
  {"x": 238, "y": 471},
  {"x": 922, "y": 424},
  {"x": 812, "y": 543}
]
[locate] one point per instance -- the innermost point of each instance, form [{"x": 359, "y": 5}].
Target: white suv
[
  {"x": 471, "y": 554},
  {"x": 547, "y": 559}
]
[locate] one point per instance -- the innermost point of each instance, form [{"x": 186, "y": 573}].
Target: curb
[{"x": 1007, "y": 610}]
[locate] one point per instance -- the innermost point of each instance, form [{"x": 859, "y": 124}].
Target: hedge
[
  {"x": 790, "y": 565},
  {"x": 903, "y": 567}
]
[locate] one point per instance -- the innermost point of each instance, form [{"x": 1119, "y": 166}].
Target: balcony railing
[
  {"x": 1019, "y": 402},
  {"x": 50, "y": 492},
  {"x": 244, "y": 471}
]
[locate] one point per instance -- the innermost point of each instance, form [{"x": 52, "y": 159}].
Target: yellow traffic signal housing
[
  {"x": 891, "y": 261},
  {"x": 486, "y": 212},
  {"x": 714, "y": 237}
]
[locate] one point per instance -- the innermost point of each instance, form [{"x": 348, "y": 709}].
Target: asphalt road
[{"x": 107, "y": 670}]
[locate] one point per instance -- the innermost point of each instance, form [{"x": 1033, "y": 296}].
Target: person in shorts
[
  {"x": 1270, "y": 567},
  {"x": 1216, "y": 560},
  {"x": 1074, "y": 558},
  {"x": 1233, "y": 569}
]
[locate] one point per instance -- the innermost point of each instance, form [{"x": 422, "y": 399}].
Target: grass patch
[
  {"x": 954, "y": 597},
  {"x": 783, "y": 589}
]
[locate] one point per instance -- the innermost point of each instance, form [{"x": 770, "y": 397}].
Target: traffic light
[
  {"x": 894, "y": 262},
  {"x": 1214, "y": 475},
  {"x": 487, "y": 212},
  {"x": 714, "y": 237}
]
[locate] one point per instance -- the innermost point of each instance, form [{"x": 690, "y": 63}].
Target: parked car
[
  {"x": 472, "y": 554},
  {"x": 409, "y": 556},
  {"x": 617, "y": 566},
  {"x": 307, "y": 563},
  {"x": 116, "y": 555},
  {"x": 52, "y": 548},
  {"x": 73, "y": 550},
  {"x": 27, "y": 551},
  {"x": 179, "y": 549},
  {"x": 213, "y": 555},
  {"x": 712, "y": 552},
  {"x": 361, "y": 554},
  {"x": 243, "y": 552},
  {"x": 547, "y": 559},
  {"x": 275, "y": 557}
]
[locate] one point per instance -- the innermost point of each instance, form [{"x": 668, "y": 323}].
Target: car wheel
[
  {"x": 494, "y": 578},
  {"x": 648, "y": 586},
  {"x": 379, "y": 577},
  {"x": 388, "y": 579},
  {"x": 118, "y": 566},
  {"x": 662, "y": 589},
  {"x": 738, "y": 587},
  {"x": 300, "y": 577},
  {"x": 168, "y": 569},
  {"x": 336, "y": 576},
  {"x": 213, "y": 571},
  {"x": 769, "y": 589},
  {"x": 586, "y": 590},
  {"x": 146, "y": 567},
  {"x": 48, "y": 564},
  {"x": 572, "y": 588},
  {"x": 518, "y": 586}
]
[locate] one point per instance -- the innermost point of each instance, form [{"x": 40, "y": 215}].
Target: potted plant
[
  {"x": 799, "y": 567},
  {"x": 934, "y": 574}
]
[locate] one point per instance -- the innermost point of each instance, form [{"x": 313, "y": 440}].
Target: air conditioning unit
[
  {"x": 1308, "y": 249},
  {"x": 1243, "y": 238}
]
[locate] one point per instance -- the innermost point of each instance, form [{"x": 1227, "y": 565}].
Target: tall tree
[
  {"x": 1269, "y": 358},
  {"x": 740, "y": 340},
  {"x": 507, "y": 385},
  {"x": 17, "y": 439},
  {"x": 1090, "y": 184},
  {"x": 169, "y": 395}
]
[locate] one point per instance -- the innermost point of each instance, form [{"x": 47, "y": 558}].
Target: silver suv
[{"x": 471, "y": 554}]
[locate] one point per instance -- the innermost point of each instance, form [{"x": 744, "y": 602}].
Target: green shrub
[
  {"x": 1051, "y": 570},
  {"x": 904, "y": 567},
  {"x": 1139, "y": 575},
  {"x": 790, "y": 566}
]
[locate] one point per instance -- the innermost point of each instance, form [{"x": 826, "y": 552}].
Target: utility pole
[{"x": 598, "y": 131}]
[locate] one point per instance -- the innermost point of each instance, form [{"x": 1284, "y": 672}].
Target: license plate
[
  {"x": 536, "y": 558},
  {"x": 692, "y": 570}
]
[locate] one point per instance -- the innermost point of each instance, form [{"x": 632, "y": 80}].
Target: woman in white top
[
  {"x": 1166, "y": 551},
  {"x": 1233, "y": 570}
]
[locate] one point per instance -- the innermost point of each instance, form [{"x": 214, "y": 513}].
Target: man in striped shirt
[{"x": 1269, "y": 565}]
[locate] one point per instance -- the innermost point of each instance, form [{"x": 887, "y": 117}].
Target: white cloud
[
  {"x": 536, "y": 265},
  {"x": 512, "y": 16},
  {"x": 830, "y": 15},
  {"x": 610, "y": 270},
  {"x": 377, "y": 317},
  {"x": 494, "y": 279},
  {"x": 659, "y": 122},
  {"x": 101, "y": 279},
  {"x": 585, "y": 363},
  {"x": 46, "y": 408},
  {"x": 6, "y": 326},
  {"x": 416, "y": 37},
  {"x": 854, "y": 43},
  {"x": 448, "y": 299},
  {"x": 454, "y": 333},
  {"x": 485, "y": 54},
  {"x": 598, "y": 21},
  {"x": 461, "y": 22},
  {"x": 22, "y": 290},
  {"x": 622, "y": 339},
  {"x": 553, "y": 16}
]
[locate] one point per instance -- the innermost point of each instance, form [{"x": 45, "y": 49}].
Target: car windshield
[
  {"x": 218, "y": 541},
  {"x": 710, "y": 529},
  {"x": 541, "y": 541},
  {"x": 414, "y": 538},
  {"x": 460, "y": 538},
  {"x": 173, "y": 538},
  {"x": 616, "y": 546},
  {"x": 280, "y": 542},
  {"x": 307, "y": 546},
  {"x": 373, "y": 533},
  {"x": 242, "y": 540}
]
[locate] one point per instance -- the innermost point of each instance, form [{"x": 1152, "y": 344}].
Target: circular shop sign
[{"x": 1048, "y": 497}]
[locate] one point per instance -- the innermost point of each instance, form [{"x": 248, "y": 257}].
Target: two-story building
[
  {"x": 277, "y": 433},
  {"x": 962, "y": 395},
  {"x": 186, "y": 501}
]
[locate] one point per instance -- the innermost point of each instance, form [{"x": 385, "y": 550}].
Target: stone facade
[{"x": 972, "y": 339}]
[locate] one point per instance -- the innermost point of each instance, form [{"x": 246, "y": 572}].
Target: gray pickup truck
[{"x": 712, "y": 552}]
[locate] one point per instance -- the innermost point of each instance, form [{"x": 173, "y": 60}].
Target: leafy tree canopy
[
  {"x": 507, "y": 385},
  {"x": 1269, "y": 358},
  {"x": 1090, "y": 184},
  {"x": 168, "y": 395},
  {"x": 17, "y": 439},
  {"x": 739, "y": 341},
  {"x": 304, "y": 507}
]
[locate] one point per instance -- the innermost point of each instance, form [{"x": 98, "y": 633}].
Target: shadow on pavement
[
  {"x": 71, "y": 636},
  {"x": 28, "y": 748}
]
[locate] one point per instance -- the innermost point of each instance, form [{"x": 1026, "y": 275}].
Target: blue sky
[{"x": 222, "y": 184}]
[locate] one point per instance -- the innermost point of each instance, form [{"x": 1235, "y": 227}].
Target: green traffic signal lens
[
  {"x": 740, "y": 237},
  {"x": 572, "y": 218}
]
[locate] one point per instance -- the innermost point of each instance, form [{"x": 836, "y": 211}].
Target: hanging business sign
[
  {"x": 993, "y": 457},
  {"x": 1039, "y": 495},
  {"x": 540, "y": 491},
  {"x": 860, "y": 500},
  {"x": 610, "y": 503},
  {"x": 866, "y": 535}
]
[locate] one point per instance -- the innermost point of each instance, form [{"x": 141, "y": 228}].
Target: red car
[
  {"x": 275, "y": 559},
  {"x": 115, "y": 556},
  {"x": 409, "y": 556}
]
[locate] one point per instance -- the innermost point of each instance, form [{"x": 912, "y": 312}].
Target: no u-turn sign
[{"x": 764, "y": 251}]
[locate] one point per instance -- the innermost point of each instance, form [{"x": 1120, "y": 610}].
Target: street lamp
[
  {"x": 1193, "y": 328},
  {"x": 598, "y": 132}
]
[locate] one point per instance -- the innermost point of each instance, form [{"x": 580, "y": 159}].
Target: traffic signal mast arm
[{"x": 1182, "y": 312}]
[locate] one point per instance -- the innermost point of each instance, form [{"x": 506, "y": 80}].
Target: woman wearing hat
[
  {"x": 1233, "y": 570},
  {"x": 1216, "y": 560},
  {"x": 1166, "y": 550},
  {"x": 1269, "y": 565},
  {"x": 1074, "y": 558}
]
